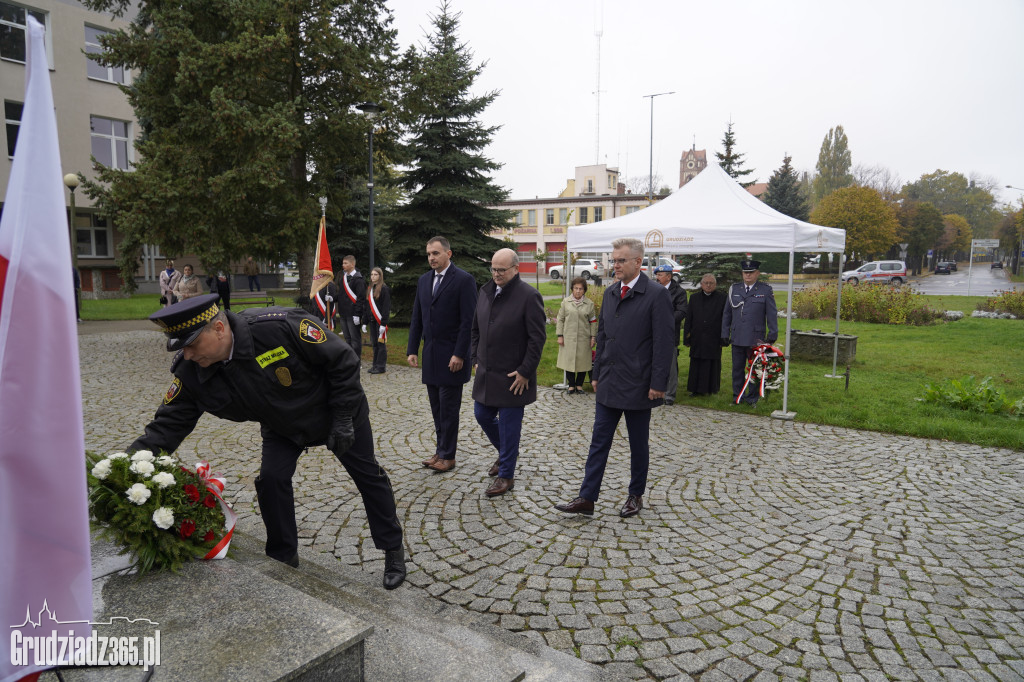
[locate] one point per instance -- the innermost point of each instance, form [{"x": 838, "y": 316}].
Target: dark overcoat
[
  {"x": 508, "y": 335},
  {"x": 702, "y": 331},
  {"x": 678, "y": 296},
  {"x": 634, "y": 345},
  {"x": 351, "y": 301},
  {"x": 750, "y": 316},
  {"x": 444, "y": 324}
]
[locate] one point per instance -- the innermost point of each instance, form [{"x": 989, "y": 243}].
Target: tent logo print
[{"x": 654, "y": 239}]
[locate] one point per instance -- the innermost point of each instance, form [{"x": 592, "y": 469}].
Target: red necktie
[{"x": 624, "y": 290}]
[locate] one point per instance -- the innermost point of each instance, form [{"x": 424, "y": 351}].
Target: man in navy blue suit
[
  {"x": 442, "y": 316},
  {"x": 750, "y": 319},
  {"x": 635, "y": 338}
]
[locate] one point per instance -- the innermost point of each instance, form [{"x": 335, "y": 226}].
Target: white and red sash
[
  {"x": 348, "y": 290},
  {"x": 382, "y": 335},
  {"x": 325, "y": 309}
]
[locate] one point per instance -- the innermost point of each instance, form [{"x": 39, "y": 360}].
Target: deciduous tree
[
  {"x": 834, "y": 162},
  {"x": 954, "y": 193},
  {"x": 922, "y": 228},
  {"x": 870, "y": 223},
  {"x": 958, "y": 236}
]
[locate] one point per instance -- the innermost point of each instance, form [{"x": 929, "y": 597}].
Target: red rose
[
  {"x": 188, "y": 526},
  {"x": 192, "y": 493},
  {"x": 209, "y": 537},
  {"x": 210, "y": 501}
]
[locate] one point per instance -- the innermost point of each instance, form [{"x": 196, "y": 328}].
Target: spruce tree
[
  {"x": 730, "y": 161},
  {"x": 784, "y": 193},
  {"x": 448, "y": 185}
]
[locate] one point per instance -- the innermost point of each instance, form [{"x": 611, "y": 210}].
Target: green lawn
[{"x": 893, "y": 365}]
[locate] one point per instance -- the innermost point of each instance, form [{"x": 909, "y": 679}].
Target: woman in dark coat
[
  {"x": 702, "y": 334},
  {"x": 378, "y": 302}
]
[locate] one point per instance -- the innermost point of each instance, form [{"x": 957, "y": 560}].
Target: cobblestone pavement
[{"x": 767, "y": 549}]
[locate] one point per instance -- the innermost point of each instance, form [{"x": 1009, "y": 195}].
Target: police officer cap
[
  {"x": 183, "y": 321},
  {"x": 750, "y": 265},
  {"x": 664, "y": 267}
]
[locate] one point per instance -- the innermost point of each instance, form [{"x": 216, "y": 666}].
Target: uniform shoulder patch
[
  {"x": 178, "y": 357},
  {"x": 173, "y": 391},
  {"x": 310, "y": 332}
]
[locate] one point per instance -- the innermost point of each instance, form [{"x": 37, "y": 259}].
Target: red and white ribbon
[
  {"x": 215, "y": 484},
  {"x": 382, "y": 335},
  {"x": 324, "y": 306},
  {"x": 759, "y": 355},
  {"x": 348, "y": 290}
]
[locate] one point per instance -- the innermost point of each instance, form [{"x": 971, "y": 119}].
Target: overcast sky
[{"x": 918, "y": 85}]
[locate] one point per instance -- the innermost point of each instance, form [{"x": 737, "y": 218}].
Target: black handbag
[{"x": 163, "y": 300}]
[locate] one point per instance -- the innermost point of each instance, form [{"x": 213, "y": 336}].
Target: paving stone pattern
[{"x": 766, "y": 550}]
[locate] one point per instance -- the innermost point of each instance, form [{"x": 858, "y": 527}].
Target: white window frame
[
  {"x": 549, "y": 216},
  {"x": 97, "y": 49},
  {"x": 114, "y": 139},
  {"x": 92, "y": 228},
  {"x": 24, "y": 27},
  {"x": 631, "y": 209},
  {"x": 563, "y": 216},
  {"x": 598, "y": 214},
  {"x": 584, "y": 217},
  {"x": 531, "y": 217}
]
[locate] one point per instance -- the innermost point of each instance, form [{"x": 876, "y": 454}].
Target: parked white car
[
  {"x": 678, "y": 271},
  {"x": 584, "y": 267},
  {"x": 878, "y": 271}
]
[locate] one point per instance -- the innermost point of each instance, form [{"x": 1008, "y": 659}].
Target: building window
[
  {"x": 93, "y": 236},
  {"x": 549, "y": 216},
  {"x": 14, "y": 30},
  {"x": 12, "y": 116},
  {"x": 598, "y": 214},
  {"x": 110, "y": 142},
  {"x": 611, "y": 181},
  {"x": 590, "y": 185},
  {"x": 531, "y": 217},
  {"x": 631, "y": 209},
  {"x": 583, "y": 215},
  {"x": 111, "y": 74},
  {"x": 563, "y": 216}
]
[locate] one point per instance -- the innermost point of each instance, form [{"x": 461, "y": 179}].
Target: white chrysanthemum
[
  {"x": 143, "y": 456},
  {"x": 163, "y": 479},
  {"x": 102, "y": 469},
  {"x": 138, "y": 493},
  {"x": 166, "y": 461},
  {"x": 143, "y": 468},
  {"x": 118, "y": 455},
  {"x": 163, "y": 518}
]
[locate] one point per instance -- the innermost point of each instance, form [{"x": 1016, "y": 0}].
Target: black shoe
[
  {"x": 394, "y": 568},
  {"x": 577, "y": 506}
]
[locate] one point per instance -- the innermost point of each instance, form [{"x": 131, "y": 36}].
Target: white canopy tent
[{"x": 714, "y": 214}]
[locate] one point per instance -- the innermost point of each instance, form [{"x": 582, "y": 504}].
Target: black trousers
[
  {"x": 380, "y": 349},
  {"x": 351, "y": 332},
  {"x": 277, "y": 499},
  {"x": 445, "y": 405},
  {"x": 575, "y": 378},
  {"x": 739, "y": 365}
]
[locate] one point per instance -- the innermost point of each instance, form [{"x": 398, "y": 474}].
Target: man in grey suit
[
  {"x": 750, "y": 318},
  {"x": 509, "y": 330},
  {"x": 634, "y": 348}
]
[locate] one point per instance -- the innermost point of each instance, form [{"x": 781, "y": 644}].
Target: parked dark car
[
  {"x": 943, "y": 268},
  {"x": 997, "y": 264},
  {"x": 952, "y": 265}
]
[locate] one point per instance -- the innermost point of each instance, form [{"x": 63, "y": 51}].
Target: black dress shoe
[
  {"x": 293, "y": 561},
  {"x": 577, "y": 506},
  {"x": 493, "y": 471},
  {"x": 634, "y": 503},
  {"x": 394, "y": 568}
]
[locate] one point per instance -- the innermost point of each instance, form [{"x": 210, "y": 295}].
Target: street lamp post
[
  {"x": 71, "y": 182},
  {"x": 370, "y": 110},
  {"x": 1020, "y": 247},
  {"x": 650, "y": 170}
]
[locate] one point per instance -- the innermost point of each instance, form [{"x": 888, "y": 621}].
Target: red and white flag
[{"x": 44, "y": 518}]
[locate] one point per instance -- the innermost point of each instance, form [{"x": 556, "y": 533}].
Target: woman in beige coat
[{"x": 577, "y": 333}]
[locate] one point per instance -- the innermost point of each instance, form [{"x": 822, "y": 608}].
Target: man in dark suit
[
  {"x": 634, "y": 349},
  {"x": 663, "y": 273},
  {"x": 750, "y": 318},
  {"x": 442, "y": 316},
  {"x": 351, "y": 298},
  {"x": 509, "y": 330},
  {"x": 702, "y": 333}
]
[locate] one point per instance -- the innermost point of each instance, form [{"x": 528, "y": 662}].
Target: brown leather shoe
[
  {"x": 634, "y": 503},
  {"x": 577, "y": 506},
  {"x": 443, "y": 465},
  {"x": 431, "y": 461},
  {"x": 500, "y": 487},
  {"x": 493, "y": 471}
]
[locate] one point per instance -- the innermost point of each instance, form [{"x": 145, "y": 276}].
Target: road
[{"x": 984, "y": 281}]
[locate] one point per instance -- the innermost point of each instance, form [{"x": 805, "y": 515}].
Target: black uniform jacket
[{"x": 286, "y": 372}]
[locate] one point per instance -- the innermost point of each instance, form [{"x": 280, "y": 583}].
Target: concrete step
[{"x": 417, "y": 638}]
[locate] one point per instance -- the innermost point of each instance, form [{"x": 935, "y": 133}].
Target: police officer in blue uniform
[
  {"x": 281, "y": 368},
  {"x": 750, "y": 318}
]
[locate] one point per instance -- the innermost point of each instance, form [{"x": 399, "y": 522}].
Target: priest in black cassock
[{"x": 702, "y": 335}]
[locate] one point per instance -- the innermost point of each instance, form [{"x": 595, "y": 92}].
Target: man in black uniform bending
[{"x": 280, "y": 368}]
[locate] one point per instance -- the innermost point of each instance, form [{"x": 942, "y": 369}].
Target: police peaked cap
[{"x": 185, "y": 320}]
